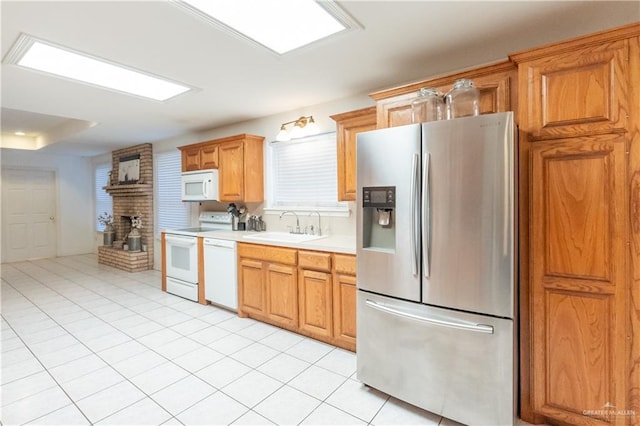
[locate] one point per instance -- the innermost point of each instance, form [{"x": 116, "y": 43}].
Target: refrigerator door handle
[
  {"x": 426, "y": 215},
  {"x": 478, "y": 328},
  {"x": 415, "y": 224}
]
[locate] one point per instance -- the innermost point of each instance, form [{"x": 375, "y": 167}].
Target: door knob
[{"x": 51, "y": 217}]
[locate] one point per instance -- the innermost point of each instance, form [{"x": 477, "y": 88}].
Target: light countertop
[{"x": 332, "y": 243}]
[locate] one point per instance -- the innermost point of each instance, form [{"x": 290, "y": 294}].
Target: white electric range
[{"x": 181, "y": 248}]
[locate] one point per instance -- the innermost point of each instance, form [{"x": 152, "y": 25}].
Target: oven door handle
[{"x": 181, "y": 241}]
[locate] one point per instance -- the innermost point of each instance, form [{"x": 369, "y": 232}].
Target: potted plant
[
  {"x": 135, "y": 239},
  {"x": 108, "y": 234}
]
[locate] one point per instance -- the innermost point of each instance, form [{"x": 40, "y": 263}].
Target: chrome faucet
[
  {"x": 292, "y": 231},
  {"x": 319, "y": 224}
]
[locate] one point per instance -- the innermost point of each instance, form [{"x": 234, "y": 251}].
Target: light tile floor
[{"x": 84, "y": 343}]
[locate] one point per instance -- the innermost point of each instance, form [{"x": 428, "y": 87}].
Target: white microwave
[{"x": 200, "y": 186}]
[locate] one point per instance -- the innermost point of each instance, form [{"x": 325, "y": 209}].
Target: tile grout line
[{"x": 77, "y": 281}]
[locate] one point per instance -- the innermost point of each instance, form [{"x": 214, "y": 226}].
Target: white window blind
[
  {"x": 304, "y": 173},
  {"x": 103, "y": 199},
  {"x": 171, "y": 212}
]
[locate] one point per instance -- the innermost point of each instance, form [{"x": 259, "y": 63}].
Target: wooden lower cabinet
[
  {"x": 251, "y": 288},
  {"x": 281, "y": 290},
  {"x": 344, "y": 314},
  {"x": 309, "y": 292},
  {"x": 267, "y": 284},
  {"x": 315, "y": 301}
]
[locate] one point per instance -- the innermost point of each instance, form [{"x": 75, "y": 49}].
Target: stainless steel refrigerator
[{"x": 436, "y": 273}]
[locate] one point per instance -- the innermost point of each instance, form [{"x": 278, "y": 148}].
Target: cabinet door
[
  {"x": 578, "y": 243},
  {"x": 282, "y": 294},
  {"x": 344, "y": 309},
  {"x": 191, "y": 159},
  {"x": 494, "y": 83},
  {"x": 578, "y": 93},
  {"x": 209, "y": 157},
  {"x": 251, "y": 289},
  {"x": 395, "y": 111},
  {"x": 230, "y": 173},
  {"x": 348, "y": 126},
  {"x": 314, "y": 294}
]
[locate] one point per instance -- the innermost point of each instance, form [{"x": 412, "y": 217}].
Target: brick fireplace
[{"x": 132, "y": 195}]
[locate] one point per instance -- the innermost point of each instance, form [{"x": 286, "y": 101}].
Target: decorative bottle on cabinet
[
  {"x": 428, "y": 106},
  {"x": 463, "y": 100}
]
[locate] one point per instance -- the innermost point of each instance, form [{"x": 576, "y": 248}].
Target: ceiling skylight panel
[
  {"x": 66, "y": 63},
  {"x": 280, "y": 25}
]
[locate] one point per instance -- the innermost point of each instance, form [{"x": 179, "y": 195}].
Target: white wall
[
  {"x": 269, "y": 127},
  {"x": 74, "y": 198}
]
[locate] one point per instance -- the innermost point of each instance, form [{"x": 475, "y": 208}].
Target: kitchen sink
[{"x": 283, "y": 237}]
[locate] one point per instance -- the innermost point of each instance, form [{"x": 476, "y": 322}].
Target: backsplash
[{"x": 333, "y": 225}]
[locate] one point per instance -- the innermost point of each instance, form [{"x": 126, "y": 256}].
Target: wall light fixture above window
[
  {"x": 44, "y": 56},
  {"x": 302, "y": 127},
  {"x": 280, "y": 25}
]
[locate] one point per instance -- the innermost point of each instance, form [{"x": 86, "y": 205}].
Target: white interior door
[{"x": 28, "y": 214}]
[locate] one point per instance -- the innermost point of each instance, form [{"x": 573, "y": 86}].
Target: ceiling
[{"x": 399, "y": 42}]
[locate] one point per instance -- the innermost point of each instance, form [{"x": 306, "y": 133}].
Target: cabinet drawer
[
  {"x": 345, "y": 263},
  {"x": 268, "y": 253},
  {"x": 314, "y": 260}
]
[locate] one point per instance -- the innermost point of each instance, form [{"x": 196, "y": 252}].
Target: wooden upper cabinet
[
  {"x": 581, "y": 92},
  {"x": 497, "y": 85},
  {"x": 209, "y": 156},
  {"x": 349, "y": 124},
  {"x": 239, "y": 160},
  {"x": 231, "y": 177},
  {"x": 241, "y": 168},
  {"x": 191, "y": 159},
  {"x": 200, "y": 156}
]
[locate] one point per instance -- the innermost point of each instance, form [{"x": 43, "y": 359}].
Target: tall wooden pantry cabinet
[{"x": 579, "y": 116}]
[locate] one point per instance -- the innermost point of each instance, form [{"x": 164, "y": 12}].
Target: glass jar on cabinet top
[
  {"x": 428, "y": 106},
  {"x": 463, "y": 100}
]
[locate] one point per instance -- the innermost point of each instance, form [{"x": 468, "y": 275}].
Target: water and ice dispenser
[{"x": 378, "y": 221}]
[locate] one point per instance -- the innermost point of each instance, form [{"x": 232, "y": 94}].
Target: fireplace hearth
[{"x": 131, "y": 199}]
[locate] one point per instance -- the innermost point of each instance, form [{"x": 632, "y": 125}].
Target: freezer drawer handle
[{"x": 479, "y": 328}]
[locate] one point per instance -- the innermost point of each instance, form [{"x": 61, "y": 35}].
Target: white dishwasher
[{"x": 220, "y": 273}]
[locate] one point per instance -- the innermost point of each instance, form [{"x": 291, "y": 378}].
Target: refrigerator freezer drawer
[{"x": 451, "y": 363}]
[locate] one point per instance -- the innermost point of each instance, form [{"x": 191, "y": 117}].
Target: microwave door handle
[{"x": 204, "y": 188}]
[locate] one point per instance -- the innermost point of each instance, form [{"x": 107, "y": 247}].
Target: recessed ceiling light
[
  {"x": 20, "y": 133},
  {"x": 40, "y": 55},
  {"x": 281, "y": 26}
]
